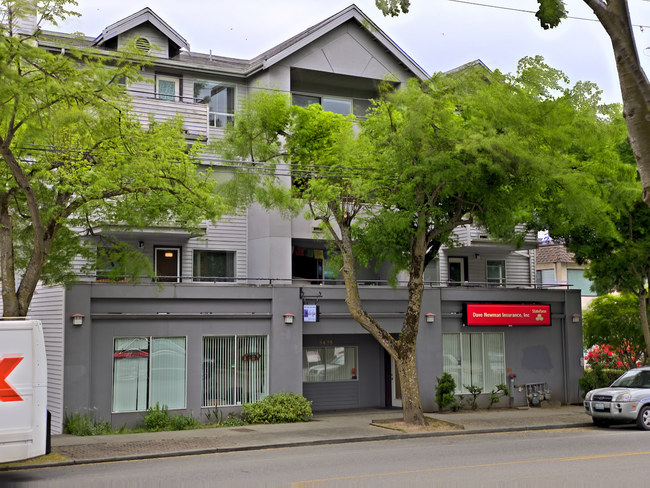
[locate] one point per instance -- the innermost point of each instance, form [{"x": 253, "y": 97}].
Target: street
[{"x": 583, "y": 456}]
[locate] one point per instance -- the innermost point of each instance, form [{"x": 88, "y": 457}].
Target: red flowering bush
[{"x": 625, "y": 357}]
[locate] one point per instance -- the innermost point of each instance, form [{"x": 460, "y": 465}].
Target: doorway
[
  {"x": 395, "y": 384},
  {"x": 168, "y": 264},
  {"x": 457, "y": 270}
]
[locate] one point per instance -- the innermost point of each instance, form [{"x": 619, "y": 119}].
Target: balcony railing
[
  {"x": 229, "y": 280},
  {"x": 195, "y": 115}
]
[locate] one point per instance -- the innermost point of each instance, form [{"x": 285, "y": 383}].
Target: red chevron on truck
[{"x": 23, "y": 390}]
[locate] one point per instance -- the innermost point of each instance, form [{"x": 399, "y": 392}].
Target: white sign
[
  {"x": 313, "y": 357},
  {"x": 310, "y": 313}
]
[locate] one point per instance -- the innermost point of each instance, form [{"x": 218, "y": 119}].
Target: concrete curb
[{"x": 346, "y": 440}]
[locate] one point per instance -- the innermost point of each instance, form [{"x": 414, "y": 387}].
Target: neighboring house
[
  {"x": 557, "y": 266},
  {"x": 219, "y": 333}
]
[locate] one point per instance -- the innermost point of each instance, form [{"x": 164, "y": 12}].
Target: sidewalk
[{"x": 325, "y": 428}]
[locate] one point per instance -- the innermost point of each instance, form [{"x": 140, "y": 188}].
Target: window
[
  {"x": 214, "y": 266},
  {"x": 576, "y": 277},
  {"x": 545, "y": 276},
  {"x": 475, "y": 359},
  {"x": 167, "y": 87},
  {"x": 496, "y": 271},
  {"x": 432, "y": 271},
  {"x": 338, "y": 105},
  {"x": 148, "y": 370},
  {"x": 235, "y": 370},
  {"x": 220, "y": 97},
  {"x": 329, "y": 364}
]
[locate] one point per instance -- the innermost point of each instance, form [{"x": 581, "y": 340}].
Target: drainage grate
[{"x": 243, "y": 429}]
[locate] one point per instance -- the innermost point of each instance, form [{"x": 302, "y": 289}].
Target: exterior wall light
[
  {"x": 288, "y": 318},
  {"x": 575, "y": 318},
  {"x": 430, "y": 317},
  {"x": 477, "y": 256},
  {"x": 77, "y": 319}
]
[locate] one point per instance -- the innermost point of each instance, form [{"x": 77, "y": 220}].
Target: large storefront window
[
  {"x": 235, "y": 370},
  {"x": 475, "y": 359},
  {"x": 148, "y": 370},
  {"x": 329, "y": 364}
]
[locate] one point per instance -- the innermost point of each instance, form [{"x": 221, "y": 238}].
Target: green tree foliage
[
  {"x": 74, "y": 158},
  {"x": 614, "y": 16},
  {"x": 615, "y": 320},
  {"x": 618, "y": 262},
  {"x": 470, "y": 147}
]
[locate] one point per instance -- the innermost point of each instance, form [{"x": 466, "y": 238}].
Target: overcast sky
[{"x": 438, "y": 34}]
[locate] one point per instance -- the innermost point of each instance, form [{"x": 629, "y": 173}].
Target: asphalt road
[{"x": 589, "y": 456}]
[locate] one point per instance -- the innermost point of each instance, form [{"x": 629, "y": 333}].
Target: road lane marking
[{"x": 576, "y": 458}]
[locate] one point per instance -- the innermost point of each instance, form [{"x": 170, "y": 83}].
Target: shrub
[
  {"x": 232, "y": 420},
  {"x": 278, "y": 408},
  {"x": 474, "y": 392},
  {"x": 85, "y": 423},
  {"x": 445, "y": 390},
  {"x": 598, "y": 377},
  {"x": 495, "y": 395},
  {"x": 156, "y": 418},
  {"x": 184, "y": 422}
]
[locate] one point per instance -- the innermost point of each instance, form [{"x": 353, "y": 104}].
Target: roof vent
[{"x": 143, "y": 44}]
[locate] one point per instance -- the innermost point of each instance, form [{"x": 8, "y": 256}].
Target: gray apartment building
[{"x": 198, "y": 343}]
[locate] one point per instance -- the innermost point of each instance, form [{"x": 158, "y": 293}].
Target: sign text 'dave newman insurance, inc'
[{"x": 505, "y": 314}]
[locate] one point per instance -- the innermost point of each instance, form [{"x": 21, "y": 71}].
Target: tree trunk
[
  {"x": 635, "y": 89},
  {"x": 402, "y": 350},
  {"x": 9, "y": 299},
  {"x": 643, "y": 309}
]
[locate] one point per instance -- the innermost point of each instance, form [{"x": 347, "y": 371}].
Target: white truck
[{"x": 23, "y": 390}]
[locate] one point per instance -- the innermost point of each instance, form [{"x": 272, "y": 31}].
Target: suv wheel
[{"x": 643, "y": 420}]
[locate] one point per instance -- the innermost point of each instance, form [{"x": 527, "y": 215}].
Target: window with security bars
[
  {"x": 235, "y": 370},
  {"x": 474, "y": 359},
  {"x": 329, "y": 364},
  {"x": 148, "y": 370}
]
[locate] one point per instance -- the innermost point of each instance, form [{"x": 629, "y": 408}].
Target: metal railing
[{"x": 249, "y": 280}]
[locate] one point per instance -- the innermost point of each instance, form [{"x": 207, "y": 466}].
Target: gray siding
[
  {"x": 48, "y": 307},
  {"x": 195, "y": 115},
  {"x": 332, "y": 395},
  {"x": 157, "y": 39}
]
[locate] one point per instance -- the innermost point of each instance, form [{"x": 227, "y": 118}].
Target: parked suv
[{"x": 627, "y": 400}]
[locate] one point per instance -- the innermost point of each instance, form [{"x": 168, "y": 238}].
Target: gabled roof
[
  {"x": 138, "y": 18},
  {"x": 288, "y": 47},
  {"x": 554, "y": 253}
]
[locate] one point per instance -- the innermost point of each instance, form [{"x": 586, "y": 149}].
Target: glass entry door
[{"x": 395, "y": 385}]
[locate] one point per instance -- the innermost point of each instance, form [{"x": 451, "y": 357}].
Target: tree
[
  {"x": 614, "y": 16},
  {"x": 74, "y": 157},
  {"x": 620, "y": 262},
  {"x": 469, "y": 147},
  {"x": 613, "y": 320}
]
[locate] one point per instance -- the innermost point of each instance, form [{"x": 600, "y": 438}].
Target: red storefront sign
[{"x": 503, "y": 314}]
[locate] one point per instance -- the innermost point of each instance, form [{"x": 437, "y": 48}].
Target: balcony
[
  {"x": 470, "y": 235},
  {"x": 195, "y": 115}
]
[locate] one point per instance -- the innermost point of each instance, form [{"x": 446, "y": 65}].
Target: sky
[{"x": 438, "y": 34}]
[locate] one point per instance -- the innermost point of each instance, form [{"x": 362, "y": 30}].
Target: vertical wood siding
[{"x": 48, "y": 307}]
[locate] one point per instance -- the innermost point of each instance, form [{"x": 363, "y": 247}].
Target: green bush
[
  {"x": 597, "y": 377},
  {"x": 233, "y": 420},
  {"x": 445, "y": 390},
  {"x": 156, "y": 418},
  {"x": 184, "y": 422},
  {"x": 474, "y": 392},
  {"x": 496, "y": 394},
  {"x": 85, "y": 423},
  {"x": 278, "y": 408}
]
